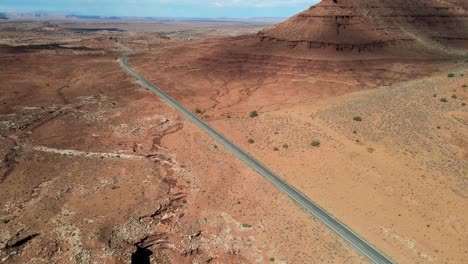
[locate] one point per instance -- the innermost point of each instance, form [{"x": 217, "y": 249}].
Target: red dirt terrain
[{"x": 97, "y": 169}]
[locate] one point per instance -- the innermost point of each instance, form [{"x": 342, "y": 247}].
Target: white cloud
[
  {"x": 233, "y": 3},
  {"x": 259, "y": 3}
]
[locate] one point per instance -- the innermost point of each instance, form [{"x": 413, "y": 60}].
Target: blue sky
[{"x": 162, "y": 8}]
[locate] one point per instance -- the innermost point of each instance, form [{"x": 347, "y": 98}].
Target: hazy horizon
[{"x": 161, "y": 8}]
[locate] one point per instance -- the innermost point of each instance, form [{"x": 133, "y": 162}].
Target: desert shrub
[
  {"x": 253, "y": 114},
  {"x": 315, "y": 143},
  {"x": 450, "y": 75},
  {"x": 463, "y": 104},
  {"x": 247, "y": 225},
  {"x": 198, "y": 111},
  {"x": 454, "y": 96},
  {"x": 354, "y": 132},
  {"x": 251, "y": 141},
  {"x": 357, "y": 118},
  {"x": 275, "y": 149},
  {"x": 443, "y": 100},
  {"x": 434, "y": 95},
  {"x": 464, "y": 86},
  {"x": 285, "y": 145},
  {"x": 272, "y": 259}
]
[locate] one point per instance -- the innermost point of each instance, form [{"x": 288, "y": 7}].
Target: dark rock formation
[{"x": 363, "y": 25}]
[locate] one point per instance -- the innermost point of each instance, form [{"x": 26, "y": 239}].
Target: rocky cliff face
[{"x": 363, "y": 25}]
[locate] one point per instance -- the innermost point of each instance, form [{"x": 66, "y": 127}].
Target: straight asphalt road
[{"x": 341, "y": 229}]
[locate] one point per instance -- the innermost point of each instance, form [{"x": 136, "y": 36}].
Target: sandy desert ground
[
  {"x": 398, "y": 177},
  {"x": 98, "y": 169}
]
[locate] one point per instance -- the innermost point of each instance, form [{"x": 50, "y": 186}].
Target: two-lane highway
[{"x": 342, "y": 230}]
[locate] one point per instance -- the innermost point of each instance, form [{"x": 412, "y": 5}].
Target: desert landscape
[{"x": 360, "y": 105}]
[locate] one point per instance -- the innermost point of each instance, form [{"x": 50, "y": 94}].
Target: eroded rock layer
[{"x": 362, "y": 25}]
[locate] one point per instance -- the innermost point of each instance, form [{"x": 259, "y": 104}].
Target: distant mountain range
[{"x": 46, "y": 16}]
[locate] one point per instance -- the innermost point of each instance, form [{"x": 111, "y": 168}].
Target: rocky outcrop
[{"x": 363, "y": 25}]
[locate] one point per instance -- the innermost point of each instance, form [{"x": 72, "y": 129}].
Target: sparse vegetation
[
  {"x": 354, "y": 132},
  {"x": 443, "y": 100},
  {"x": 315, "y": 143},
  {"x": 454, "y": 96},
  {"x": 272, "y": 259},
  {"x": 198, "y": 110},
  {"x": 253, "y": 114},
  {"x": 251, "y": 141},
  {"x": 438, "y": 127},
  {"x": 228, "y": 116},
  {"x": 450, "y": 75},
  {"x": 246, "y": 225},
  {"x": 285, "y": 146},
  {"x": 357, "y": 118},
  {"x": 275, "y": 149},
  {"x": 463, "y": 104},
  {"x": 434, "y": 95},
  {"x": 464, "y": 86}
]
